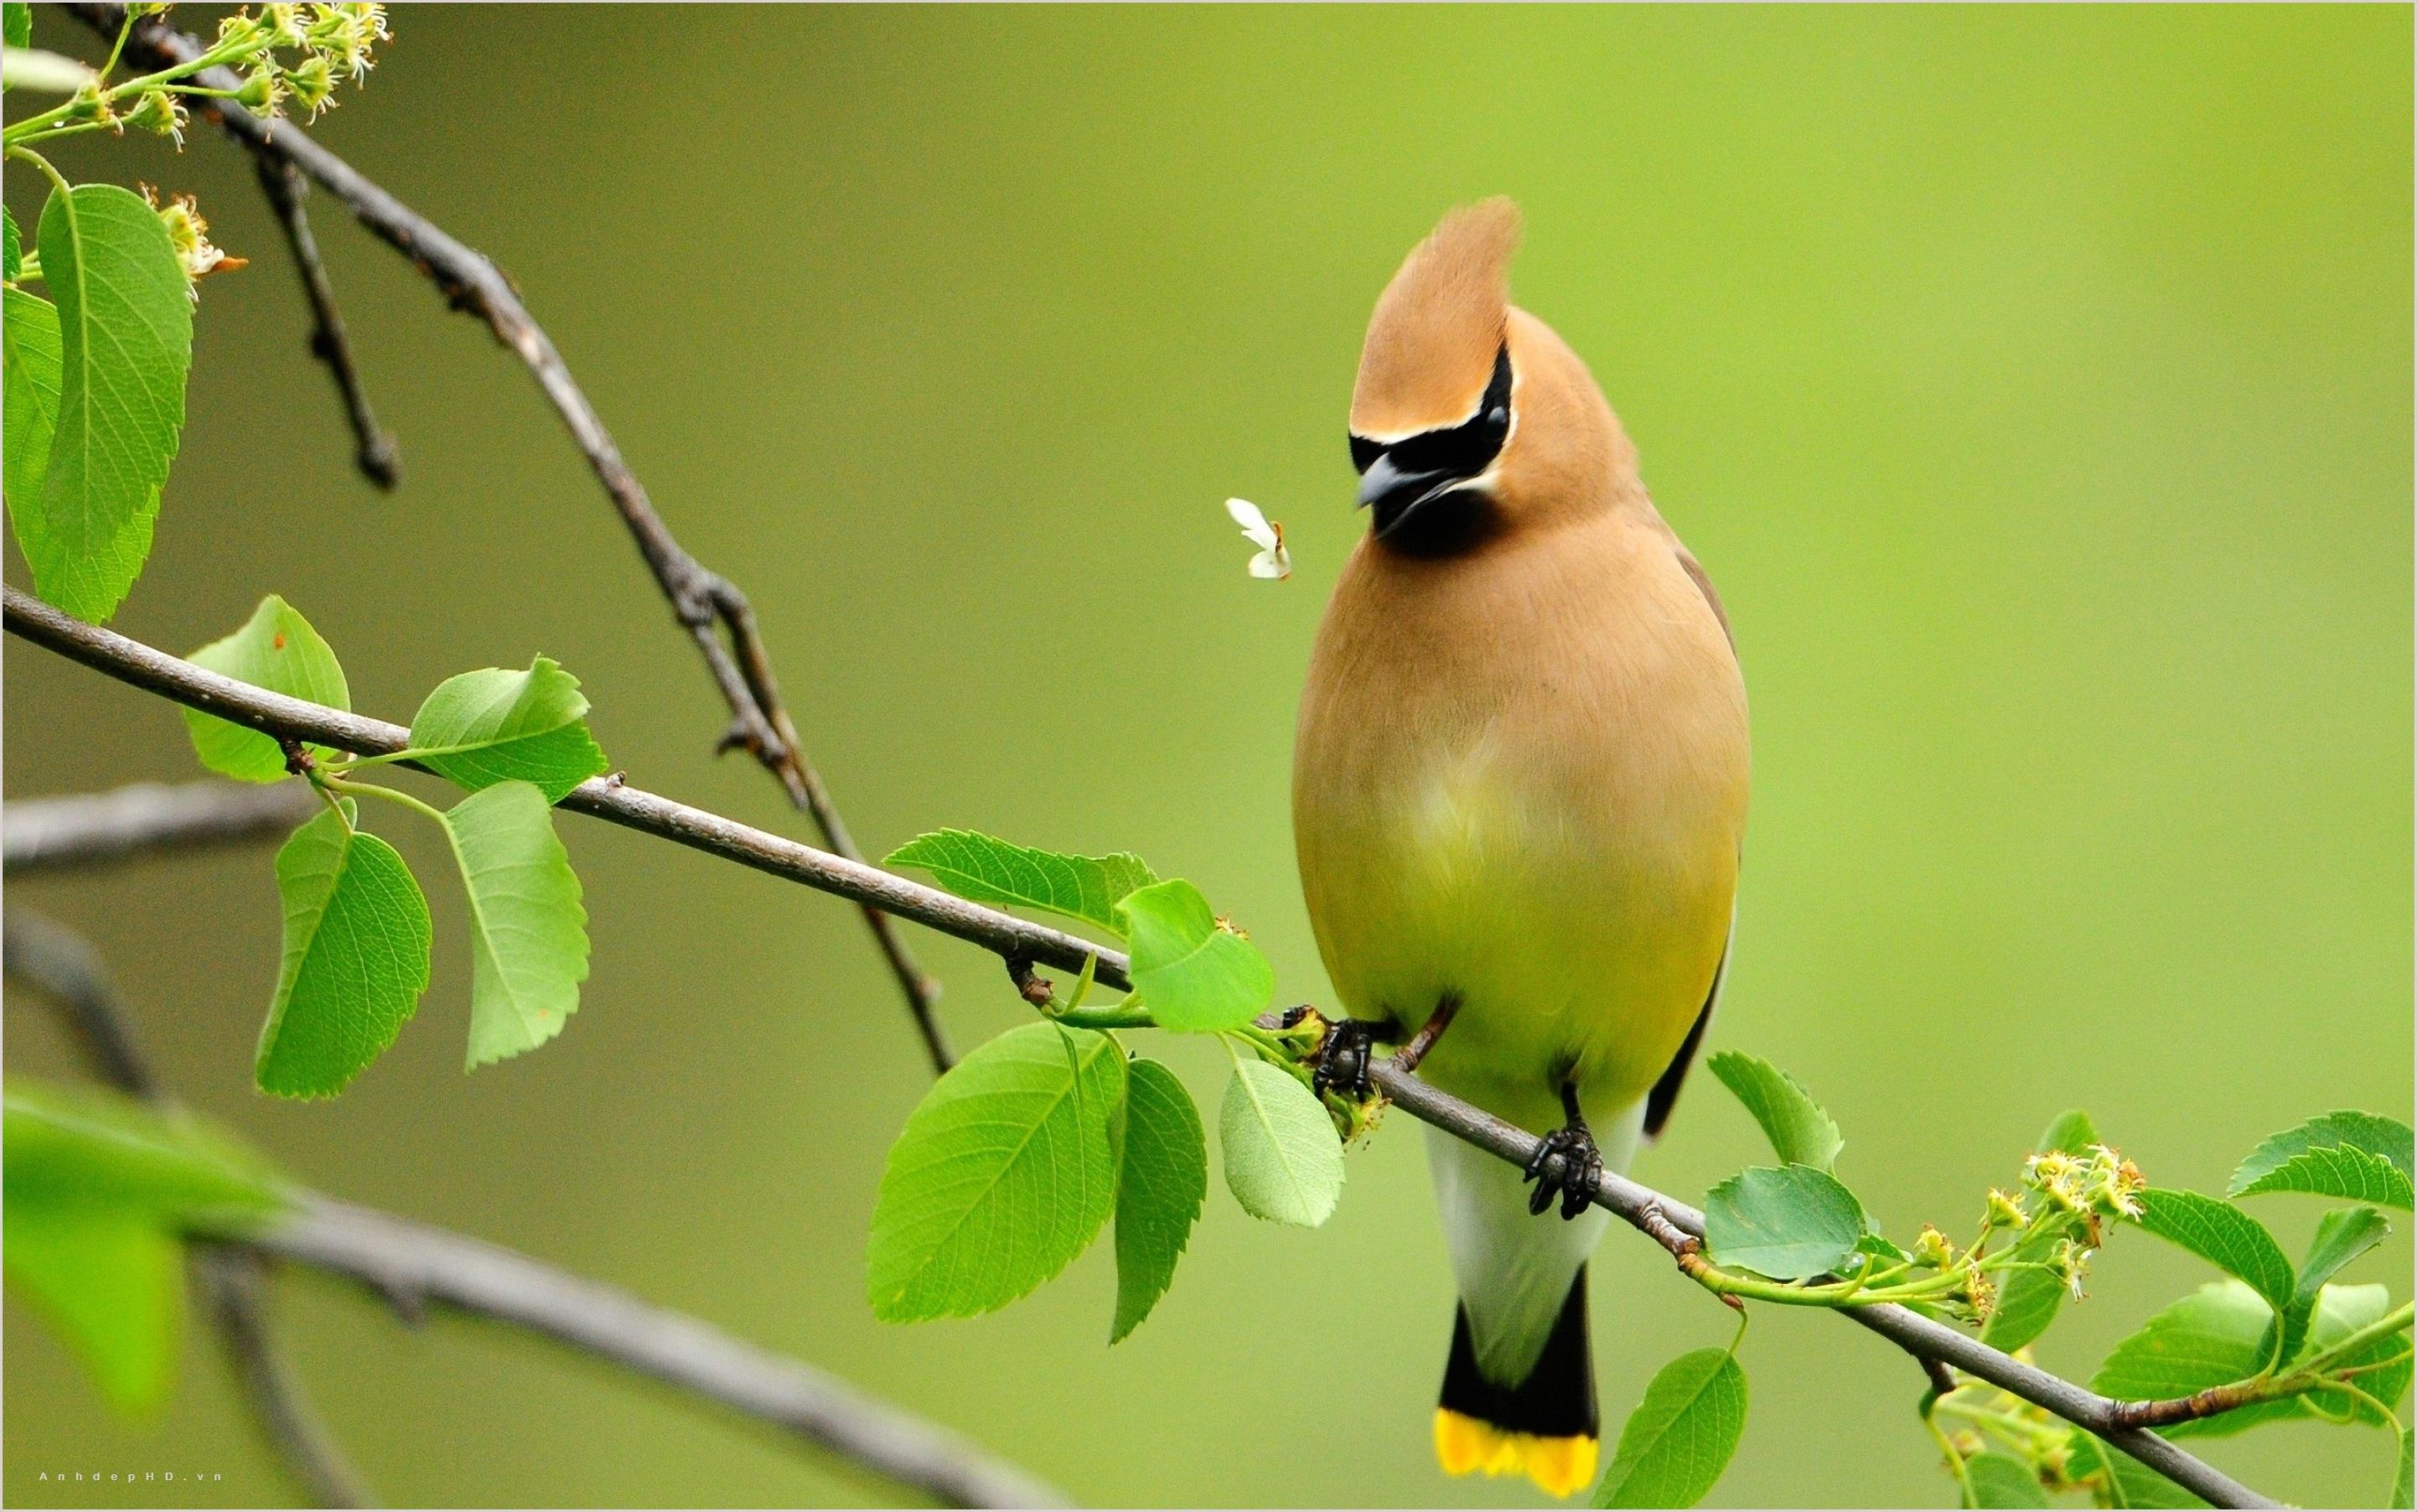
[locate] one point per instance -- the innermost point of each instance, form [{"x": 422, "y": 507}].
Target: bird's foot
[
  {"x": 1344, "y": 1058},
  {"x": 1566, "y": 1165}
]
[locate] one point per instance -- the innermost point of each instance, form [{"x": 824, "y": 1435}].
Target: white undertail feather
[{"x": 1514, "y": 1267}]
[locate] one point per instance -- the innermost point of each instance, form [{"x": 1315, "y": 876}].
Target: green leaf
[
  {"x": 356, "y": 962},
  {"x": 12, "y": 246},
  {"x": 2341, "y": 1236},
  {"x": 2213, "y": 1336},
  {"x": 1160, "y": 1185},
  {"x": 276, "y": 649},
  {"x": 2128, "y": 1482},
  {"x": 1283, "y": 1161},
  {"x": 17, "y": 23},
  {"x": 495, "y": 726},
  {"x": 97, "y": 1185},
  {"x": 1194, "y": 975},
  {"x": 1004, "y": 1173},
  {"x": 1679, "y": 1438},
  {"x": 29, "y": 398},
  {"x": 75, "y": 1144},
  {"x": 2072, "y": 1133},
  {"x": 125, "y": 338},
  {"x": 2002, "y": 1480},
  {"x": 2404, "y": 1481},
  {"x": 2363, "y": 1156},
  {"x": 113, "y": 1288},
  {"x": 1788, "y": 1223},
  {"x": 1800, "y": 1131},
  {"x": 529, "y": 932},
  {"x": 989, "y": 870},
  {"x": 2027, "y": 1300},
  {"x": 2217, "y": 1231}
]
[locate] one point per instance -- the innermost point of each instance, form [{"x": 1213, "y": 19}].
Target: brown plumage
[{"x": 1520, "y": 781}]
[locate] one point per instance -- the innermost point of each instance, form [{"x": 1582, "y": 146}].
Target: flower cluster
[
  {"x": 288, "y": 53},
  {"x": 190, "y": 235}
]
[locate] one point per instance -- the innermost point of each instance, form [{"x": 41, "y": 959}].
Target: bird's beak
[{"x": 1395, "y": 495}]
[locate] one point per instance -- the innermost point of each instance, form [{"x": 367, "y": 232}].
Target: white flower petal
[
  {"x": 1253, "y": 523},
  {"x": 1275, "y": 562}
]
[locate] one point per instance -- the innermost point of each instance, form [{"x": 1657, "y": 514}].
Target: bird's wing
[
  {"x": 1664, "y": 1096},
  {"x": 1704, "y": 583}
]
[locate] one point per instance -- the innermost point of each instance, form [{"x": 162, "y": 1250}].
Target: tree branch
[
  {"x": 415, "y": 1265},
  {"x": 1016, "y": 940},
  {"x": 62, "y": 966},
  {"x": 701, "y": 599},
  {"x": 46, "y": 835},
  {"x": 373, "y": 449}
]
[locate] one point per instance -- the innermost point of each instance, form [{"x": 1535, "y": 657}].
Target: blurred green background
[{"x": 2036, "y": 384}]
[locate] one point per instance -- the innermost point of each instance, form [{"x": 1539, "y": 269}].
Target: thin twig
[
  {"x": 1017, "y": 941},
  {"x": 373, "y": 449},
  {"x": 62, "y": 966},
  {"x": 397, "y": 1259},
  {"x": 705, "y": 603},
  {"x": 46, "y": 835}
]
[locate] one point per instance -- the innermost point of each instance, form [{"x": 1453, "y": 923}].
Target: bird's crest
[{"x": 1432, "y": 341}]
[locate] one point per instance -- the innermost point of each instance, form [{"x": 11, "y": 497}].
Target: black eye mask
[{"x": 1463, "y": 450}]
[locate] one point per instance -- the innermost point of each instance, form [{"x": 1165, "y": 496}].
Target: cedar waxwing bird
[{"x": 1519, "y": 789}]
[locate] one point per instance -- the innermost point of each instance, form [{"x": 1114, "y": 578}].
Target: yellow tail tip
[{"x": 1560, "y": 1466}]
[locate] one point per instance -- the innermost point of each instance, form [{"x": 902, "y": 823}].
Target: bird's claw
[
  {"x": 1566, "y": 1164},
  {"x": 1344, "y": 1058}
]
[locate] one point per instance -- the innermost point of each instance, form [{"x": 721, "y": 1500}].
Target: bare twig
[
  {"x": 1019, "y": 942},
  {"x": 396, "y": 1258},
  {"x": 708, "y": 604},
  {"x": 373, "y": 449},
  {"x": 230, "y": 1282},
  {"x": 44, "y": 834},
  {"x": 61, "y": 964}
]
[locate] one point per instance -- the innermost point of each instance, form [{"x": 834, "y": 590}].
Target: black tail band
[{"x": 1556, "y": 1401}]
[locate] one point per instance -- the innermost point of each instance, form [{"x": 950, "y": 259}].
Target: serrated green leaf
[
  {"x": 1283, "y": 1161},
  {"x": 17, "y": 23},
  {"x": 276, "y": 649},
  {"x": 2128, "y": 1483},
  {"x": 12, "y": 246},
  {"x": 2341, "y": 1236},
  {"x": 990, "y": 870},
  {"x": 529, "y": 930},
  {"x": 1004, "y": 1173},
  {"x": 1194, "y": 975},
  {"x": 1788, "y": 1223},
  {"x": 1678, "y": 1440},
  {"x": 96, "y": 1188},
  {"x": 356, "y": 937},
  {"x": 2028, "y": 1300},
  {"x": 126, "y": 341},
  {"x": 2001, "y": 1480},
  {"x": 1160, "y": 1185},
  {"x": 2217, "y": 1231},
  {"x": 2363, "y": 1156},
  {"x": 2211, "y": 1337},
  {"x": 495, "y": 725},
  {"x": 2404, "y": 1480},
  {"x": 1800, "y": 1131},
  {"x": 29, "y": 397}
]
